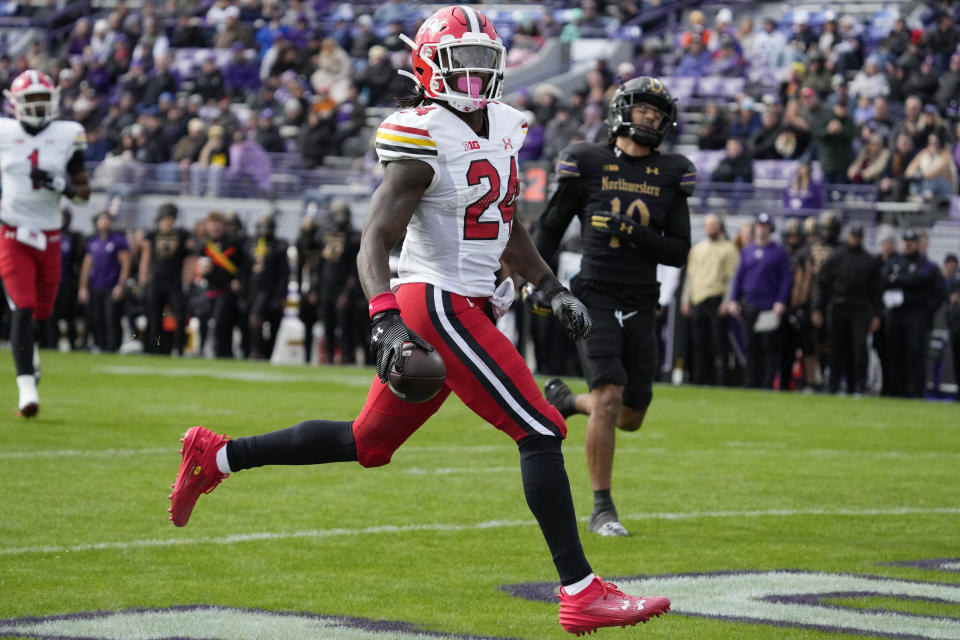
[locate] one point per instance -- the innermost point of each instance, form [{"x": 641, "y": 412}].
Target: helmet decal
[{"x": 458, "y": 58}]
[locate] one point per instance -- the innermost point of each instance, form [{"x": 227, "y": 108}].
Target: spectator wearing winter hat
[{"x": 746, "y": 122}]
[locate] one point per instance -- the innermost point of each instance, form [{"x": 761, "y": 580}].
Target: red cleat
[
  {"x": 603, "y": 605},
  {"x": 198, "y": 472}
]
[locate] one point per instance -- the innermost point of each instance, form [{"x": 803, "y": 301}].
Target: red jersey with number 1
[
  {"x": 25, "y": 204},
  {"x": 462, "y": 224}
]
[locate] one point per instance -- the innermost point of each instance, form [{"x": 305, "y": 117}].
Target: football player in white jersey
[
  {"x": 41, "y": 159},
  {"x": 450, "y": 183}
]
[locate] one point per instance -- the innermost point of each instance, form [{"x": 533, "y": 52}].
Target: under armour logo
[
  {"x": 507, "y": 143},
  {"x": 377, "y": 335},
  {"x": 653, "y": 170},
  {"x": 621, "y": 316}
]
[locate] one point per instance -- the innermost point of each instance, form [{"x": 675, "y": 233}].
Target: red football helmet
[
  {"x": 28, "y": 109},
  {"x": 459, "y": 58}
]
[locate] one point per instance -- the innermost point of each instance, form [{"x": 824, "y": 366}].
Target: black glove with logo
[
  {"x": 573, "y": 316},
  {"x": 534, "y": 300},
  {"x": 621, "y": 226},
  {"x": 388, "y": 333}
]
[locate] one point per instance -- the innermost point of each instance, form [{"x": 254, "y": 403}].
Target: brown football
[{"x": 421, "y": 377}]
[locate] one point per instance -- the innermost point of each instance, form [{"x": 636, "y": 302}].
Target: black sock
[
  {"x": 21, "y": 340},
  {"x": 547, "y": 490},
  {"x": 310, "y": 442},
  {"x": 602, "y": 501}
]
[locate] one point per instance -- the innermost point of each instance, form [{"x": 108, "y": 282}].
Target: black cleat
[{"x": 559, "y": 395}]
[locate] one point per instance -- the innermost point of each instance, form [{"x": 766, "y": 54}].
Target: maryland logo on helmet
[
  {"x": 35, "y": 98},
  {"x": 458, "y": 58}
]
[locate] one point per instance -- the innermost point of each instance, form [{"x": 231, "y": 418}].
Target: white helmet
[{"x": 34, "y": 112}]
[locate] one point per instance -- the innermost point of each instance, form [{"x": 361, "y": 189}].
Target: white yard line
[
  {"x": 488, "y": 524},
  {"x": 739, "y": 448}
]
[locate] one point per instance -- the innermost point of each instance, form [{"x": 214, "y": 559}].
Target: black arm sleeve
[
  {"x": 672, "y": 247},
  {"x": 563, "y": 206},
  {"x": 76, "y": 164}
]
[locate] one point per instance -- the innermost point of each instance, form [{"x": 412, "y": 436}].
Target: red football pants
[
  {"x": 483, "y": 368},
  {"x": 30, "y": 276}
]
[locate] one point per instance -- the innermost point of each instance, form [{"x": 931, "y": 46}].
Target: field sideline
[{"x": 730, "y": 483}]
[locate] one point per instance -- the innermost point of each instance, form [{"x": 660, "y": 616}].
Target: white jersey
[
  {"x": 462, "y": 224},
  {"x": 22, "y": 203}
]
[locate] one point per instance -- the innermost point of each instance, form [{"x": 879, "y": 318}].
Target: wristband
[
  {"x": 383, "y": 302},
  {"x": 550, "y": 286}
]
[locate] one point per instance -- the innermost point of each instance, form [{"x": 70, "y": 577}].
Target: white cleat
[{"x": 29, "y": 403}]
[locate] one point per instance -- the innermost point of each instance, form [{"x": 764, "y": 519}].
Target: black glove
[
  {"x": 534, "y": 300},
  {"x": 621, "y": 226},
  {"x": 388, "y": 334},
  {"x": 573, "y": 316}
]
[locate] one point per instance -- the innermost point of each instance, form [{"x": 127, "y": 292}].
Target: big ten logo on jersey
[{"x": 471, "y": 145}]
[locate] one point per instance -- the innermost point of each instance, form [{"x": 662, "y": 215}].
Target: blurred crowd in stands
[
  {"x": 226, "y": 84},
  {"x": 877, "y": 108}
]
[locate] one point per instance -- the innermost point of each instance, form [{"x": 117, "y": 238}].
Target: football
[{"x": 418, "y": 375}]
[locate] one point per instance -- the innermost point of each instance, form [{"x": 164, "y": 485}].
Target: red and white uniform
[
  {"x": 24, "y": 203},
  {"x": 446, "y": 275},
  {"x": 463, "y": 222},
  {"x": 30, "y": 214}
]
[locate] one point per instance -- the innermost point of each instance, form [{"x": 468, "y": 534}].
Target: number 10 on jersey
[{"x": 473, "y": 227}]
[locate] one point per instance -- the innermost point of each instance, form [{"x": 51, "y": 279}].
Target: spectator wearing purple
[
  {"x": 649, "y": 62},
  {"x": 695, "y": 62},
  {"x": 727, "y": 61},
  {"x": 79, "y": 38},
  {"x": 105, "y": 268},
  {"x": 241, "y": 75},
  {"x": 762, "y": 286},
  {"x": 249, "y": 165},
  {"x": 97, "y": 147},
  {"x": 804, "y": 193},
  {"x": 532, "y": 148}
]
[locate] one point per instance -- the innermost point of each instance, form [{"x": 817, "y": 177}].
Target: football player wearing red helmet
[
  {"x": 450, "y": 184},
  {"x": 41, "y": 159}
]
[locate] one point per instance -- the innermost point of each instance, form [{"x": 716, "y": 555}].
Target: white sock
[
  {"x": 577, "y": 587},
  {"x": 222, "y": 463}
]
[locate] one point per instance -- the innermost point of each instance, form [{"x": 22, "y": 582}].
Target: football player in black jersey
[{"x": 632, "y": 204}]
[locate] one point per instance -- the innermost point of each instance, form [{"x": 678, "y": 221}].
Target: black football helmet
[
  {"x": 829, "y": 225},
  {"x": 646, "y": 90}
]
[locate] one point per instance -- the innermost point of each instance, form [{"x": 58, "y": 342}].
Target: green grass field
[{"x": 716, "y": 481}]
